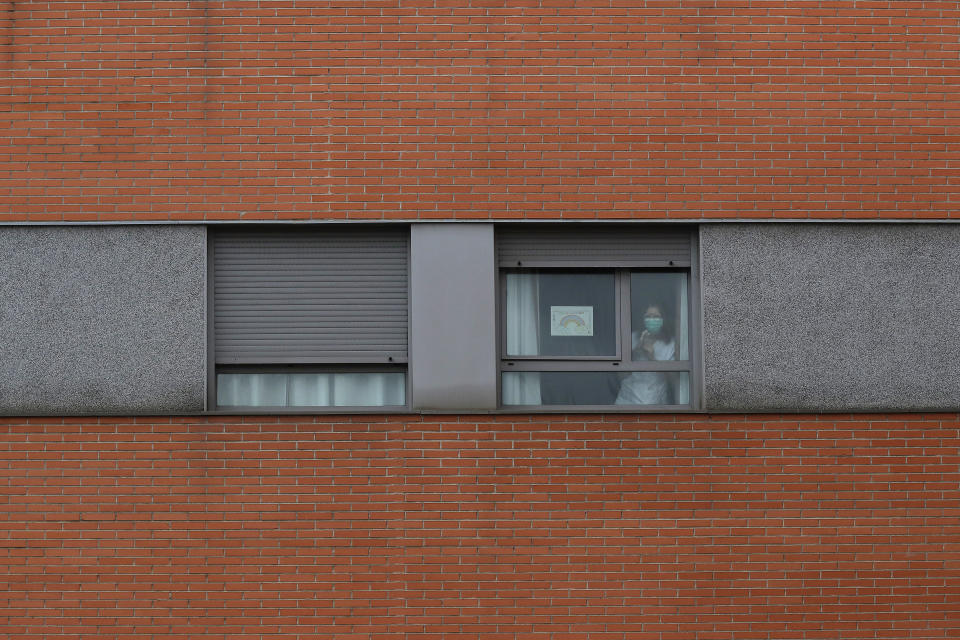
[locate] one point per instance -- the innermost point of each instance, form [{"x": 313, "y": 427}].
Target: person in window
[{"x": 655, "y": 342}]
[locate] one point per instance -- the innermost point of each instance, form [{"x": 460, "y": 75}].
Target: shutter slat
[
  {"x": 591, "y": 245},
  {"x": 317, "y": 293}
]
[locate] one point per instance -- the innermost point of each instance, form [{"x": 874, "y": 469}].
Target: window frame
[
  {"x": 622, "y": 362},
  {"x": 311, "y": 365},
  {"x": 577, "y": 256}
]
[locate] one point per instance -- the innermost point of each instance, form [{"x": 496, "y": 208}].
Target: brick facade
[
  {"x": 703, "y": 109},
  {"x": 467, "y": 527},
  {"x": 539, "y": 527}
]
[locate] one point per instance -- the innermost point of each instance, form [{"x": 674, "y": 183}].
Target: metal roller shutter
[
  {"x": 594, "y": 246},
  {"x": 311, "y": 296}
]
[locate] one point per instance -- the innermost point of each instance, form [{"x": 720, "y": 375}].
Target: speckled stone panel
[
  {"x": 102, "y": 320},
  {"x": 831, "y": 317}
]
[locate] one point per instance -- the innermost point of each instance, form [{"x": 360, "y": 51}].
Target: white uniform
[{"x": 648, "y": 387}]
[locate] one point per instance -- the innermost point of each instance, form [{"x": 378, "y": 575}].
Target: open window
[
  {"x": 597, "y": 317},
  {"x": 310, "y": 318}
]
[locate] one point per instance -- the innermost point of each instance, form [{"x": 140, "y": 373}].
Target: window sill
[{"x": 412, "y": 412}]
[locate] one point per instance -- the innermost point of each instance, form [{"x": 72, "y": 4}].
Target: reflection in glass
[
  {"x": 658, "y": 311},
  {"x": 311, "y": 389},
  {"x": 595, "y": 388},
  {"x": 561, "y": 313}
]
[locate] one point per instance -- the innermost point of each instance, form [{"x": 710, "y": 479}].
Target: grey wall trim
[
  {"x": 454, "y": 221},
  {"x": 453, "y": 347},
  {"x": 207, "y": 312},
  {"x": 696, "y": 322},
  {"x": 101, "y": 320},
  {"x": 696, "y": 296},
  {"x": 831, "y": 317}
]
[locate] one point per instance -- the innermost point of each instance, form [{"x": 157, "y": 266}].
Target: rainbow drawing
[{"x": 571, "y": 321}]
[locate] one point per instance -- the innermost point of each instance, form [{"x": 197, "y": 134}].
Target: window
[
  {"x": 317, "y": 318},
  {"x": 596, "y": 317},
  {"x": 310, "y": 318}
]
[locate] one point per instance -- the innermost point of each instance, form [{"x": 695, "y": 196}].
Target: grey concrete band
[
  {"x": 831, "y": 317},
  {"x": 102, "y": 320}
]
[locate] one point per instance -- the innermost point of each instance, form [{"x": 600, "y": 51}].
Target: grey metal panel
[
  {"x": 831, "y": 317},
  {"x": 453, "y": 326},
  {"x": 102, "y": 320},
  {"x": 311, "y": 295},
  {"x": 696, "y": 323},
  {"x": 594, "y": 245}
]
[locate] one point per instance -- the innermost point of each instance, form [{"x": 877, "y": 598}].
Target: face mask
[{"x": 653, "y": 325}]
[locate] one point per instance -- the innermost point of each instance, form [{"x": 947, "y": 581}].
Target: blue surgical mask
[{"x": 653, "y": 325}]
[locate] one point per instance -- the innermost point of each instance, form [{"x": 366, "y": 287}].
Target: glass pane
[
  {"x": 252, "y": 389},
  {"x": 654, "y": 387},
  {"x": 595, "y": 388},
  {"x": 520, "y": 387},
  {"x": 368, "y": 389},
  {"x": 658, "y": 312},
  {"x": 561, "y": 313},
  {"x": 311, "y": 389}
]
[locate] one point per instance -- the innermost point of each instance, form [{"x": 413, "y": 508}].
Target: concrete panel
[
  {"x": 831, "y": 317},
  {"x": 102, "y": 320},
  {"x": 453, "y": 334}
]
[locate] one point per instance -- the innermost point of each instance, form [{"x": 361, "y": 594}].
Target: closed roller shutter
[
  {"x": 594, "y": 245},
  {"x": 310, "y": 296}
]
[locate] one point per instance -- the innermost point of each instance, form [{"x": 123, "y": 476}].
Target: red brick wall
[
  {"x": 242, "y": 109},
  {"x": 552, "y": 527}
]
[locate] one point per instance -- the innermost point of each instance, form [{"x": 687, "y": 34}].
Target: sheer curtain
[
  {"x": 252, "y": 390},
  {"x": 368, "y": 389},
  {"x": 311, "y": 389},
  {"x": 522, "y": 387}
]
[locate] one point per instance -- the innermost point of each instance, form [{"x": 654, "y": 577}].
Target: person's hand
[{"x": 646, "y": 342}]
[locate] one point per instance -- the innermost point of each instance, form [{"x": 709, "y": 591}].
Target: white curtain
[
  {"x": 523, "y": 323},
  {"x": 311, "y": 389},
  {"x": 368, "y": 389},
  {"x": 252, "y": 390}
]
